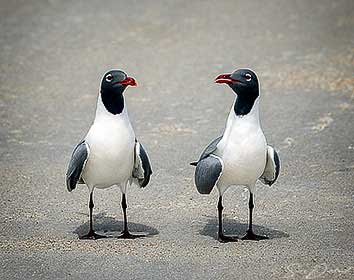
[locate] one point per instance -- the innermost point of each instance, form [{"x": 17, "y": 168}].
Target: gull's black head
[
  {"x": 244, "y": 83},
  {"x": 113, "y": 84}
]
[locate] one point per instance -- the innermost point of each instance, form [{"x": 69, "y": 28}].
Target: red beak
[
  {"x": 224, "y": 79},
  {"x": 129, "y": 81}
]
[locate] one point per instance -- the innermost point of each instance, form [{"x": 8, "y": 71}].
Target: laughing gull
[
  {"x": 241, "y": 155},
  {"x": 110, "y": 154}
]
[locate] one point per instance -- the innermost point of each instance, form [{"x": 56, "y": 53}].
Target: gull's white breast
[
  {"x": 111, "y": 140},
  {"x": 243, "y": 152}
]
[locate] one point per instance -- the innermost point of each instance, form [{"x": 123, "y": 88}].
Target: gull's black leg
[
  {"x": 91, "y": 234},
  {"x": 221, "y": 237},
  {"x": 125, "y": 233},
  {"x": 250, "y": 235}
]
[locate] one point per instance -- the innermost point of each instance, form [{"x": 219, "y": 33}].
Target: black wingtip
[
  {"x": 194, "y": 163},
  {"x": 144, "y": 182},
  {"x": 70, "y": 185}
]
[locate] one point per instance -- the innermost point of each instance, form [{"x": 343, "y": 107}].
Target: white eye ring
[
  {"x": 109, "y": 78},
  {"x": 248, "y": 77}
]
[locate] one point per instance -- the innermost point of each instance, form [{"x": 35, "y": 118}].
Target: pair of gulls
[{"x": 111, "y": 155}]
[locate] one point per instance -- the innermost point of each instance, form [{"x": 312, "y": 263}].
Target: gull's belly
[
  {"x": 244, "y": 161},
  {"x": 105, "y": 168},
  {"x": 111, "y": 158}
]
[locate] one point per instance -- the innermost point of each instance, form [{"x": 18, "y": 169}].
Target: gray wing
[
  {"x": 142, "y": 167},
  {"x": 272, "y": 168},
  {"x": 207, "y": 173},
  {"x": 208, "y": 150},
  {"x": 76, "y": 165}
]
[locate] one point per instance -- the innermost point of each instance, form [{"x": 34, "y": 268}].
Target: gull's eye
[
  {"x": 248, "y": 77},
  {"x": 109, "y": 78}
]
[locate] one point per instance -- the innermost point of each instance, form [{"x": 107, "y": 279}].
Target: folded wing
[
  {"x": 272, "y": 168},
  {"x": 76, "y": 165},
  {"x": 207, "y": 173},
  {"x": 208, "y": 150},
  {"x": 142, "y": 167}
]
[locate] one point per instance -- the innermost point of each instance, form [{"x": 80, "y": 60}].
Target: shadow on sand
[
  {"x": 111, "y": 227},
  {"x": 232, "y": 227}
]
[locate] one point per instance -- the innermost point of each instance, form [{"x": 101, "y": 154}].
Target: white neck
[
  {"x": 236, "y": 124},
  {"x": 252, "y": 116},
  {"x": 103, "y": 114}
]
